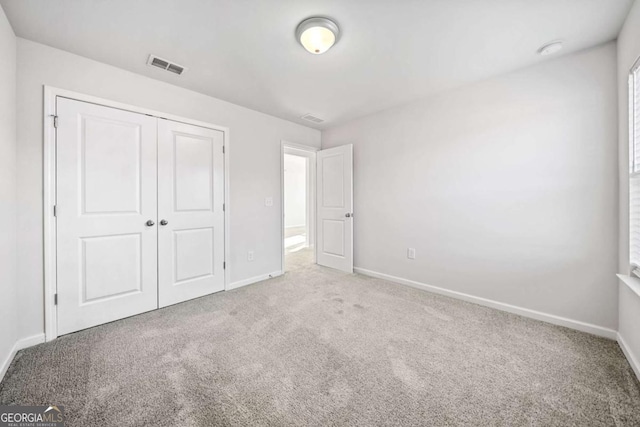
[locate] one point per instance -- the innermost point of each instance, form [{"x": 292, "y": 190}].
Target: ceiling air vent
[
  {"x": 165, "y": 65},
  {"x": 312, "y": 118}
]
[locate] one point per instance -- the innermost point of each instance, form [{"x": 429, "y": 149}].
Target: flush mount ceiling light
[
  {"x": 550, "y": 48},
  {"x": 317, "y": 35}
]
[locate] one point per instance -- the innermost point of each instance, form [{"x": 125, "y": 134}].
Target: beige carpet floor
[{"x": 321, "y": 348}]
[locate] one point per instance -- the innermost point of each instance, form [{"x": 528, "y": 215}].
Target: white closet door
[
  {"x": 334, "y": 171},
  {"x": 190, "y": 210},
  {"x": 106, "y": 194}
]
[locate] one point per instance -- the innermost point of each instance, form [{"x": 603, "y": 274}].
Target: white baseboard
[
  {"x": 252, "y": 280},
  {"x": 633, "y": 361},
  {"x": 538, "y": 315},
  {"x": 19, "y": 345}
]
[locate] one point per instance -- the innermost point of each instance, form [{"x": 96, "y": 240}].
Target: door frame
[
  {"x": 49, "y": 188},
  {"x": 309, "y": 152}
]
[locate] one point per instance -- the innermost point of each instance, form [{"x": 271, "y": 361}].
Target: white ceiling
[{"x": 391, "y": 51}]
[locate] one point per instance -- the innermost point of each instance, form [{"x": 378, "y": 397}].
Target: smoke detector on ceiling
[
  {"x": 550, "y": 48},
  {"x": 165, "y": 65},
  {"x": 312, "y": 118}
]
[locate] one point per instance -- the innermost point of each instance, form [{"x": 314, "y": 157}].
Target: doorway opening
[{"x": 298, "y": 196}]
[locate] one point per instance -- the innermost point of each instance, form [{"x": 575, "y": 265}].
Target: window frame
[{"x": 634, "y": 170}]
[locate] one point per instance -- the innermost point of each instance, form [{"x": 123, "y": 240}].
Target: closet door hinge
[
  {"x": 224, "y": 265},
  {"x": 55, "y": 299},
  {"x": 55, "y": 210},
  {"x": 55, "y": 122},
  {"x": 223, "y": 149},
  {"x": 223, "y": 207}
]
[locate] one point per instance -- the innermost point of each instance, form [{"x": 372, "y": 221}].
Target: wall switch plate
[
  {"x": 411, "y": 253},
  {"x": 268, "y": 201},
  {"x": 250, "y": 256}
]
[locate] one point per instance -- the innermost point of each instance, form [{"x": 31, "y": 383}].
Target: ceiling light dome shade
[{"x": 317, "y": 35}]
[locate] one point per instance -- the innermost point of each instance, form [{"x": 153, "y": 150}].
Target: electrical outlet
[
  {"x": 268, "y": 201},
  {"x": 411, "y": 253},
  {"x": 250, "y": 256}
]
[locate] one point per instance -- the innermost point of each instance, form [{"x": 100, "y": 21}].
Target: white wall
[
  {"x": 8, "y": 212},
  {"x": 295, "y": 191},
  {"x": 254, "y": 156},
  {"x": 629, "y": 302},
  {"x": 506, "y": 188}
]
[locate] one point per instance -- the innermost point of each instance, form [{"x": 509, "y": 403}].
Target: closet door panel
[
  {"x": 106, "y": 193},
  {"x": 190, "y": 210}
]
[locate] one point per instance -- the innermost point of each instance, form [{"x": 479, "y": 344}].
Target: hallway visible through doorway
[{"x": 298, "y": 202}]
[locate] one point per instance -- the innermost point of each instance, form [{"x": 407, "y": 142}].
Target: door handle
[
  {"x": 164, "y": 222},
  {"x": 349, "y": 215},
  {"x": 150, "y": 223}
]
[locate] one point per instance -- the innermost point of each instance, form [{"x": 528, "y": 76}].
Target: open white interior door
[{"x": 334, "y": 244}]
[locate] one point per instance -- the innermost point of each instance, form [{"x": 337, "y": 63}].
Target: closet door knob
[
  {"x": 150, "y": 223},
  {"x": 164, "y": 222}
]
